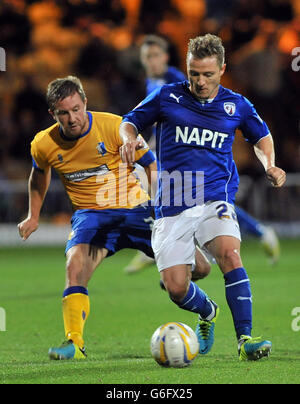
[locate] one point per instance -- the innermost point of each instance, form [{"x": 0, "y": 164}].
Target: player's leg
[
  {"x": 266, "y": 234},
  {"x": 188, "y": 296},
  {"x": 82, "y": 260},
  {"x": 202, "y": 265},
  {"x": 270, "y": 243},
  {"x": 93, "y": 236},
  {"x": 185, "y": 293},
  {"x": 219, "y": 233},
  {"x": 248, "y": 223},
  {"x": 226, "y": 250},
  {"x": 199, "y": 270},
  {"x": 174, "y": 248}
]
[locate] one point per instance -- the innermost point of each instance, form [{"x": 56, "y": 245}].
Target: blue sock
[
  {"x": 75, "y": 289},
  {"x": 197, "y": 301},
  {"x": 247, "y": 223},
  {"x": 239, "y": 299}
]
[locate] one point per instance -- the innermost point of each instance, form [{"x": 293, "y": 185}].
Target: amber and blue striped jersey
[{"x": 90, "y": 167}]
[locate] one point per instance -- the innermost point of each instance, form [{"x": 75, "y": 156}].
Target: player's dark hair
[
  {"x": 62, "y": 88},
  {"x": 207, "y": 45},
  {"x": 156, "y": 40}
]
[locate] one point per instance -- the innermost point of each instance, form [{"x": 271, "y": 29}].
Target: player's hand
[
  {"x": 276, "y": 176},
  {"x": 27, "y": 227},
  {"x": 127, "y": 151}
]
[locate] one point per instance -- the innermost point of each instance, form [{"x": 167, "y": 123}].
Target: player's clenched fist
[
  {"x": 27, "y": 227},
  {"x": 276, "y": 176},
  {"x": 127, "y": 151},
  {"x": 131, "y": 142}
]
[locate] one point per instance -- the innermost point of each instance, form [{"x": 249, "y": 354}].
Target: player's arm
[
  {"x": 264, "y": 150},
  {"x": 38, "y": 185},
  {"x": 256, "y": 131},
  {"x": 131, "y": 142},
  {"x": 135, "y": 121},
  {"x": 148, "y": 162}
]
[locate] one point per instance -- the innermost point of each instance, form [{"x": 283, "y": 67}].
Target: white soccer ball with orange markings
[{"x": 174, "y": 345}]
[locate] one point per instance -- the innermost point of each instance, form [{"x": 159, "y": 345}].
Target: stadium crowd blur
[{"x": 99, "y": 42}]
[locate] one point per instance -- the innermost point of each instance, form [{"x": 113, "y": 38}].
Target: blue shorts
[{"x": 113, "y": 229}]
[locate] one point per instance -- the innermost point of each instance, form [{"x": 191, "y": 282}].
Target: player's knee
[
  {"x": 176, "y": 281},
  {"x": 229, "y": 258},
  {"x": 176, "y": 291}
]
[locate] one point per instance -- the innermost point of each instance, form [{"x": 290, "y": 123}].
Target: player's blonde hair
[
  {"x": 61, "y": 88},
  {"x": 207, "y": 45}
]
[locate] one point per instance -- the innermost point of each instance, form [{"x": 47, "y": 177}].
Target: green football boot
[
  {"x": 253, "y": 349},
  {"x": 67, "y": 350},
  {"x": 205, "y": 332}
]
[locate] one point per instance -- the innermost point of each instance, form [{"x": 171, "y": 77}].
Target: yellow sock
[{"x": 76, "y": 308}]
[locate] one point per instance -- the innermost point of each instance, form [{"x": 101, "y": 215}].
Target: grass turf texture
[{"x": 125, "y": 311}]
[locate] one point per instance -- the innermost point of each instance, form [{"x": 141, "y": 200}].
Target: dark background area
[{"x": 99, "y": 42}]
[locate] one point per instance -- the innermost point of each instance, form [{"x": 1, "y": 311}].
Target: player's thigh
[
  {"x": 219, "y": 234},
  {"x": 173, "y": 241},
  {"x": 218, "y": 219}
]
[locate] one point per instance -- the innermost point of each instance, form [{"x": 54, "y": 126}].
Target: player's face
[
  {"x": 204, "y": 76},
  {"x": 154, "y": 60},
  {"x": 71, "y": 115}
]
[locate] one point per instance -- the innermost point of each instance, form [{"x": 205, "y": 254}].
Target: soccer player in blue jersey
[
  {"x": 197, "y": 183},
  {"x": 154, "y": 56}
]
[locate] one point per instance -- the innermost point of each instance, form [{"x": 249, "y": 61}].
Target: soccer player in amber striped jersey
[
  {"x": 196, "y": 124},
  {"x": 111, "y": 208}
]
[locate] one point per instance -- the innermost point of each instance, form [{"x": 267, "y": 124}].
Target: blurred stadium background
[{"x": 99, "y": 42}]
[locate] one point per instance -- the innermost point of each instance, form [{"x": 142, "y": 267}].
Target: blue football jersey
[
  {"x": 172, "y": 75},
  {"x": 194, "y": 144}
]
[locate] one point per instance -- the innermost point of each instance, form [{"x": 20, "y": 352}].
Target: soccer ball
[{"x": 174, "y": 345}]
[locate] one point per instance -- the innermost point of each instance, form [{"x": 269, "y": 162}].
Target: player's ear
[
  {"x": 52, "y": 114},
  {"x": 167, "y": 58},
  {"x": 223, "y": 68}
]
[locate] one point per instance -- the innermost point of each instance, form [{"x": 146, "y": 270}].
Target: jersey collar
[{"x": 209, "y": 101}]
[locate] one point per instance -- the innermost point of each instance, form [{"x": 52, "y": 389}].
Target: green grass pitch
[{"x": 125, "y": 311}]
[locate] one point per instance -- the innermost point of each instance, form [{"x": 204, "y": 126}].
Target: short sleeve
[
  {"x": 39, "y": 162},
  {"x": 252, "y": 126}
]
